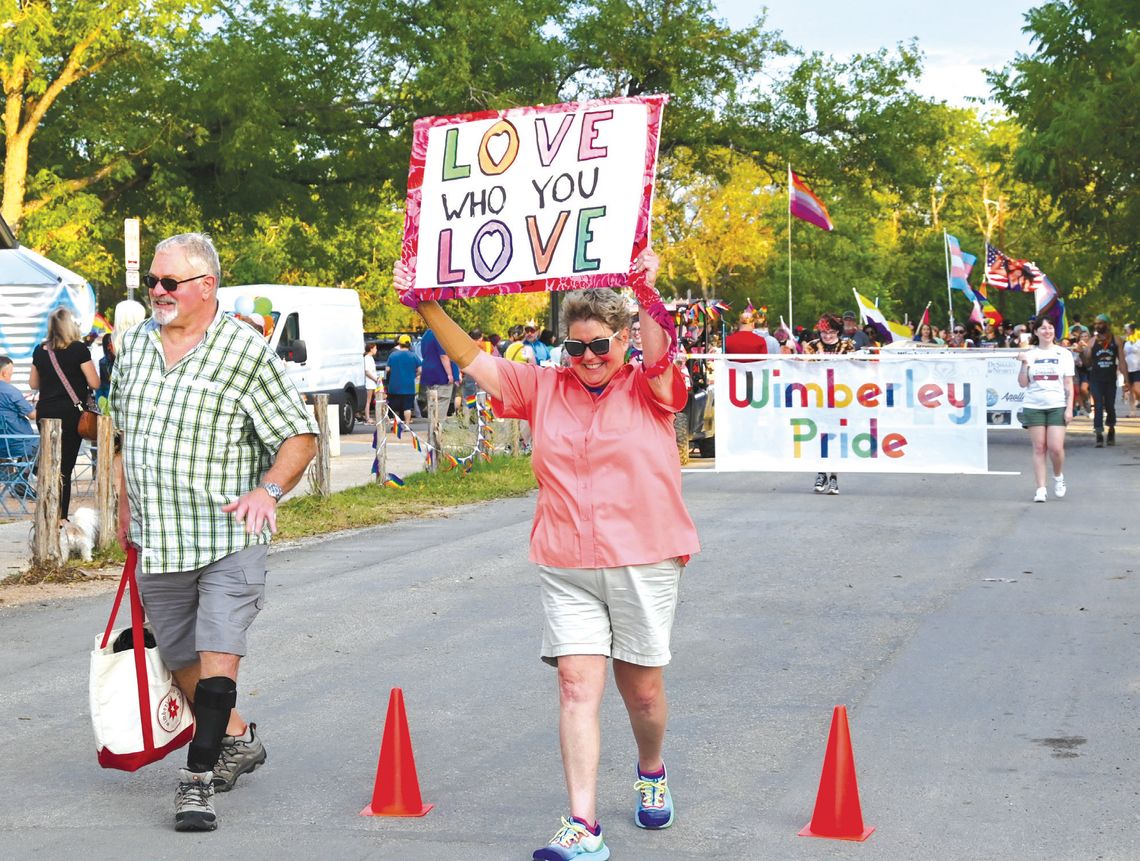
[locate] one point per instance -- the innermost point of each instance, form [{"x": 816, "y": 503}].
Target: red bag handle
[
  {"x": 127, "y": 578},
  {"x": 137, "y": 618}
]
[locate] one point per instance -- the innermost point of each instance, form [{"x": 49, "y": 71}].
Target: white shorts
[{"x": 624, "y": 613}]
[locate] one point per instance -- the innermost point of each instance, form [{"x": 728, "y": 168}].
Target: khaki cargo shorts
[{"x": 624, "y": 613}]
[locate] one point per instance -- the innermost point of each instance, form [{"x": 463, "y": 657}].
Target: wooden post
[
  {"x": 322, "y": 471},
  {"x": 681, "y": 431},
  {"x": 45, "y": 545},
  {"x": 514, "y": 437},
  {"x": 434, "y": 433},
  {"x": 106, "y": 489},
  {"x": 381, "y": 434}
]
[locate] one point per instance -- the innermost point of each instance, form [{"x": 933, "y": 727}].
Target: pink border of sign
[{"x": 410, "y": 252}]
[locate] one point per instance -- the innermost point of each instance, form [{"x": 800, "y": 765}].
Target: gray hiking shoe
[
  {"x": 240, "y": 754},
  {"x": 194, "y": 802}
]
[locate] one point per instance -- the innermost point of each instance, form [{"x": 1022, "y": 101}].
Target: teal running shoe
[
  {"x": 654, "y": 803},
  {"x": 573, "y": 840}
]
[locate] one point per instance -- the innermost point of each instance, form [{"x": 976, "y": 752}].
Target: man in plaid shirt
[{"x": 214, "y": 433}]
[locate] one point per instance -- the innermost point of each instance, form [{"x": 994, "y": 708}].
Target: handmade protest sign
[
  {"x": 554, "y": 197},
  {"x": 850, "y": 414}
]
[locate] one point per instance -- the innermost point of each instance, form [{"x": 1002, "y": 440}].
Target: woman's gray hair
[
  {"x": 606, "y": 306},
  {"x": 199, "y": 249}
]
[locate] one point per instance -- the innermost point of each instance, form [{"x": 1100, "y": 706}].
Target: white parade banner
[
  {"x": 884, "y": 413},
  {"x": 1004, "y": 395}
]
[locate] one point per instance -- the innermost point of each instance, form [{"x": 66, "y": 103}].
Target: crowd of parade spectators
[{"x": 529, "y": 343}]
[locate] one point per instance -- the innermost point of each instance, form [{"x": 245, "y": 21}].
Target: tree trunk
[
  {"x": 15, "y": 175},
  {"x": 45, "y": 544}
]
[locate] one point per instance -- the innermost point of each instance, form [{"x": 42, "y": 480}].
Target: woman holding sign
[
  {"x": 611, "y": 534},
  {"x": 1047, "y": 376}
]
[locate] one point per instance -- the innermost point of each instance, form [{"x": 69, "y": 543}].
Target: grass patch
[
  {"x": 367, "y": 505},
  {"x": 423, "y": 493}
]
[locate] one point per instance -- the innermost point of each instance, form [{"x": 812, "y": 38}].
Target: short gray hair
[
  {"x": 198, "y": 248},
  {"x": 5, "y": 362},
  {"x": 602, "y": 304}
]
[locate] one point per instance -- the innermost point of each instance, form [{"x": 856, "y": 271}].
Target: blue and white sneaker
[
  {"x": 655, "y": 804},
  {"x": 573, "y": 840}
]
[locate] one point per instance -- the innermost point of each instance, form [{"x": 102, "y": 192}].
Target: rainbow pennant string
[{"x": 484, "y": 444}]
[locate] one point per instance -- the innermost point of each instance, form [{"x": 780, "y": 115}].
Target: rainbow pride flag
[{"x": 100, "y": 326}]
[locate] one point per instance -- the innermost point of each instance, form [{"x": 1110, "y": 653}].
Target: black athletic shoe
[
  {"x": 1112, "y": 436},
  {"x": 821, "y": 482},
  {"x": 1099, "y": 440}
]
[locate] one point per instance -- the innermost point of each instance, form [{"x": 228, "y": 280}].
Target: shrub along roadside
[{"x": 368, "y": 505}]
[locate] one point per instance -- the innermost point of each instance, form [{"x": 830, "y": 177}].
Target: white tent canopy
[{"x": 31, "y": 288}]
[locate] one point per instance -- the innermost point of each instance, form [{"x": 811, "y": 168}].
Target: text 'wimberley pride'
[{"x": 762, "y": 389}]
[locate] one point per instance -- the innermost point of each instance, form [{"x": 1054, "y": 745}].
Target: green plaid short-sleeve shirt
[{"x": 198, "y": 435}]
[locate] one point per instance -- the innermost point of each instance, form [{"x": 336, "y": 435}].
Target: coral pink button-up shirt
[{"x": 609, "y": 477}]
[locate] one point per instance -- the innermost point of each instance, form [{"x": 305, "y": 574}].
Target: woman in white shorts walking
[{"x": 611, "y": 533}]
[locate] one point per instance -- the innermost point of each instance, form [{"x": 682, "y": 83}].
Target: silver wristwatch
[{"x": 273, "y": 490}]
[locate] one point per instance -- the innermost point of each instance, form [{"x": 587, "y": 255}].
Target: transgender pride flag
[{"x": 803, "y": 204}]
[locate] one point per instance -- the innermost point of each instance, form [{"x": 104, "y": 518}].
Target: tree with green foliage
[
  {"x": 47, "y": 49},
  {"x": 1077, "y": 98},
  {"x": 283, "y": 128}
]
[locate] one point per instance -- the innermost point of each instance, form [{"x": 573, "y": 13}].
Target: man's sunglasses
[
  {"x": 959, "y": 331},
  {"x": 598, "y": 346},
  {"x": 168, "y": 284}
]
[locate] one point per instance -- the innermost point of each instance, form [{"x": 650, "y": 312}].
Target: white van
[{"x": 319, "y": 333}]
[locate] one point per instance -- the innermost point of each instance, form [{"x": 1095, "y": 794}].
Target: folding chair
[{"x": 17, "y": 473}]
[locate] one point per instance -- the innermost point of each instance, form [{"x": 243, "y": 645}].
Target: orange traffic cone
[
  {"x": 837, "y": 812},
  {"x": 397, "y": 791}
]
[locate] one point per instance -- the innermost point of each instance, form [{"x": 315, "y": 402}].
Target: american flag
[
  {"x": 1005, "y": 273},
  {"x": 1023, "y": 276}
]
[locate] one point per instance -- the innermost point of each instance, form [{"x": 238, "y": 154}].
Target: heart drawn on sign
[
  {"x": 497, "y": 145},
  {"x": 491, "y": 242}
]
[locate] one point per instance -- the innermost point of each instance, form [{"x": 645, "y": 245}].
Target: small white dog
[{"x": 77, "y": 536}]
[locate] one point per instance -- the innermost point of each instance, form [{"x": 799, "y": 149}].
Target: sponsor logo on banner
[{"x": 1003, "y": 393}]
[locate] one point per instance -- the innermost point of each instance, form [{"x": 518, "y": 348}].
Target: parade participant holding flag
[
  {"x": 611, "y": 534},
  {"x": 1047, "y": 376}
]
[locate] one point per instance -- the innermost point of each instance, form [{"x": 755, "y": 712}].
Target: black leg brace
[{"x": 214, "y": 698}]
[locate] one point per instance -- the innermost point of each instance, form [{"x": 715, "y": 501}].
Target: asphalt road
[{"x": 985, "y": 648}]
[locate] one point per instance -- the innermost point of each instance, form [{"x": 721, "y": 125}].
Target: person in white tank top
[{"x": 1046, "y": 374}]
